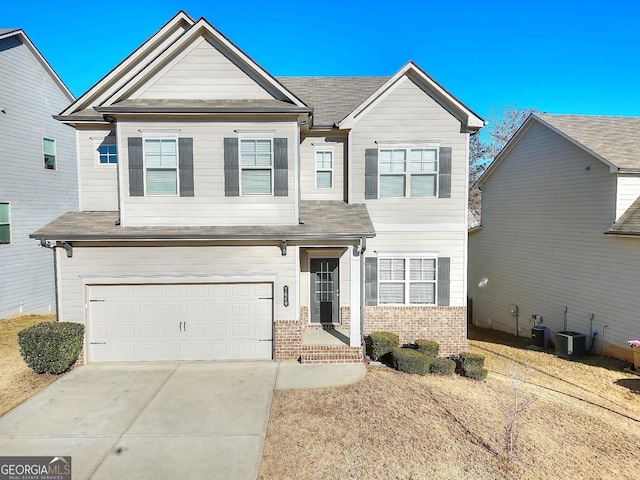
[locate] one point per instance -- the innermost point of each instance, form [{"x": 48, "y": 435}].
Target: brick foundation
[
  {"x": 80, "y": 360},
  {"x": 445, "y": 325},
  {"x": 323, "y": 354},
  {"x": 287, "y": 340}
]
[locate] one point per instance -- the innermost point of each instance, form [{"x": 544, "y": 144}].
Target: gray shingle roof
[
  {"x": 629, "y": 222},
  {"x": 7, "y": 30},
  {"x": 332, "y": 98},
  {"x": 322, "y": 219},
  {"x": 616, "y": 139}
]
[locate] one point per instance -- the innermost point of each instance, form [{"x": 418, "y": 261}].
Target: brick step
[{"x": 314, "y": 354}]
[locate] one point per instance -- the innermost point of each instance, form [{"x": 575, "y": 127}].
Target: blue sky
[{"x": 561, "y": 56}]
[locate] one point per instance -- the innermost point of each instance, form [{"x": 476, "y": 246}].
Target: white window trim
[
  {"x": 55, "y": 153},
  {"x": 324, "y": 149},
  {"x": 248, "y": 135},
  {"x": 407, "y": 277},
  {"x": 99, "y": 141},
  {"x": 177, "y": 167},
  {"x": 407, "y": 173},
  {"x": 7, "y": 223}
]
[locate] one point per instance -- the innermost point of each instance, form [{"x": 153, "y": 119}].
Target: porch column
[{"x": 354, "y": 334}]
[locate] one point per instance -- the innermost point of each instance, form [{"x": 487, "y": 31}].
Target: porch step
[{"x": 319, "y": 354}]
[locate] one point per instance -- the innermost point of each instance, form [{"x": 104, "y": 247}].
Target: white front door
[{"x": 231, "y": 321}]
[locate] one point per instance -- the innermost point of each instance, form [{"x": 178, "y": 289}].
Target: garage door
[{"x": 180, "y": 322}]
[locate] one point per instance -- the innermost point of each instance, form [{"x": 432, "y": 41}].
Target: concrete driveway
[
  {"x": 160, "y": 420},
  {"x": 173, "y": 421}
]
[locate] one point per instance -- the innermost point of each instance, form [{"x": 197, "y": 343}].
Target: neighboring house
[
  {"x": 38, "y": 182},
  {"x": 225, "y": 214},
  {"x": 560, "y": 228}
]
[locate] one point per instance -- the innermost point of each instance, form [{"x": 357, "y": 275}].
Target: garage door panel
[{"x": 147, "y": 322}]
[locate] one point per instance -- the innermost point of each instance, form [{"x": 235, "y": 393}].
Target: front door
[{"x": 325, "y": 293}]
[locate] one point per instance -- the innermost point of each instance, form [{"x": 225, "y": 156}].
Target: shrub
[
  {"x": 428, "y": 347},
  {"x": 51, "y": 347},
  {"x": 442, "y": 366},
  {"x": 383, "y": 343},
  {"x": 467, "y": 359},
  {"x": 410, "y": 360},
  {"x": 476, "y": 372}
]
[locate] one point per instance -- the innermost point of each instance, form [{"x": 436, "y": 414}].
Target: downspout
[
  {"x": 363, "y": 248},
  {"x": 46, "y": 244}
]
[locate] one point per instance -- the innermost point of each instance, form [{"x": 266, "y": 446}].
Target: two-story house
[
  {"x": 559, "y": 234},
  {"x": 38, "y": 182},
  {"x": 227, "y": 214}
]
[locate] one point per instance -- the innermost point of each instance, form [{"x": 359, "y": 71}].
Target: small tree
[{"x": 512, "y": 408}]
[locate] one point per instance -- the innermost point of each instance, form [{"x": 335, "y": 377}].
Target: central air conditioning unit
[
  {"x": 540, "y": 337},
  {"x": 570, "y": 344}
]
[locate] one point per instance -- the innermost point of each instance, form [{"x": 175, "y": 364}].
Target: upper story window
[
  {"x": 324, "y": 168},
  {"x": 256, "y": 165},
  {"x": 161, "y": 166},
  {"x": 107, "y": 154},
  {"x": 49, "y": 151},
  {"x": 5, "y": 224},
  {"x": 408, "y": 172},
  {"x": 408, "y": 281}
]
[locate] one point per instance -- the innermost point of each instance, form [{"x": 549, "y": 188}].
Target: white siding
[
  {"x": 90, "y": 264},
  {"x": 627, "y": 192},
  {"x": 410, "y": 115},
  {"x": 99, "y": 183},
  {"x": 308, "y": 147},
  {"x": 201, "y": 72},
  {"x": 209, "y": 205},
  {"x": 29, "y": 98},
  {"x": 542, "y": 245}
]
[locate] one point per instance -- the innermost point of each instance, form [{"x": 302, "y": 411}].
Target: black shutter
[
  {"x": 280, "y": 168},
  {"x": 444, "y": 269},
  {"x": 136, "y": 167},
  {"x": 371, "y": 173},
  {"x": 185, "y": 154},
  {"x": 371, "y": 281},
  {"x": 231, "y": 170},
  {"x": 444, "y": 173}
]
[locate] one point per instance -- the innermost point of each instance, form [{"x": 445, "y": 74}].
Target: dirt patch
[
  {"x": 584, "y": 422},
  {"x": 18, "y": 382}
]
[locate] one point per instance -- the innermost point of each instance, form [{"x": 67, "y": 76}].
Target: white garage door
[{"x": 180, "y": 322}]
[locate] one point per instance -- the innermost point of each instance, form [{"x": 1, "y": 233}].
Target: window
[
  {"x": 398, "y": 287},
  {"x": 256, "y": 165},
  {"x": 5, "y": 225},
  {"x": 49, "y": 149},
  {"x": 107, "y": 154},
  {"x": 324, "y": 169},
  {"x": 408, "y": 172},
  {"x": 161, "y": 165}
]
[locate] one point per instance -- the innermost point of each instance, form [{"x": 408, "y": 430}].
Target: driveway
[{"x": 161, "y": 421}]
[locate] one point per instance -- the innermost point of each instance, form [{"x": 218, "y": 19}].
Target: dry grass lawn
[
  {"x": 18, "y": 382},
  {"x": 583, "y": 423}
]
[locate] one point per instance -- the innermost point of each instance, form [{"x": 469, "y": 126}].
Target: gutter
[
  {"x": 202, "y": 109},
  {"x": 248, "y": 236},
  {"x": 45, "y": 244}
]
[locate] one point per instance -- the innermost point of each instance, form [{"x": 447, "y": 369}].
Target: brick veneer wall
[
  {"x": 445, "y": 325},
  {"x": 288, "y": 340}
]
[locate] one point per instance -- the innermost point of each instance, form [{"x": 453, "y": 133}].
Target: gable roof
[
  {"x": 17, "y": 32},
  {"x": 612, "y": 140},
  {"x": 332, "y": 98},
  {"x": 444, "y": 97},
  {"x": 176, "y": 35}
]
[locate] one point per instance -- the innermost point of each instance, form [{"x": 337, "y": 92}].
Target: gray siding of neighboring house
[
  {"x": 433, "y": 225},
  {"x": 542, "y": 247},
  {"x": 209, "y": 205},
  {"x": 29, "y": 97}
]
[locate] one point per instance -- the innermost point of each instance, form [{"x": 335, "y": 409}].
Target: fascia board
[
  {"x": 43, "y": 61},
  {"x": 118, "y": 74}
]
